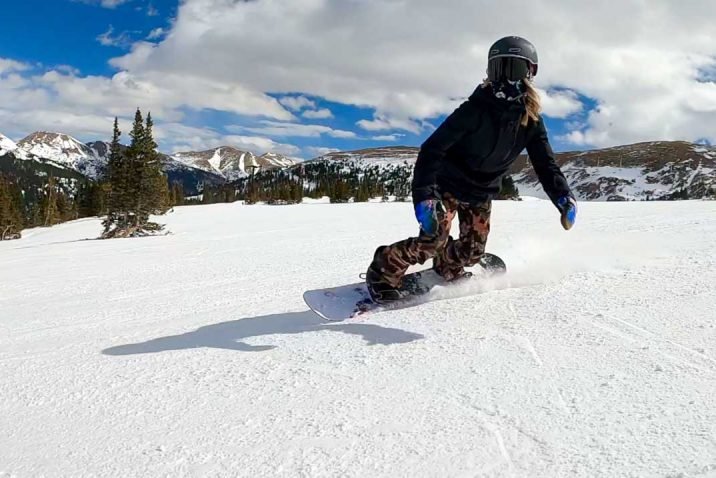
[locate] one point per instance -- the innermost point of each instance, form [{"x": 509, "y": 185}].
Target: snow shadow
[{"x": 229, "y": 335}]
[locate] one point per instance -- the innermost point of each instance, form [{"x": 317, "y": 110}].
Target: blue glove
[
  {"x": 428, "y": 214},
  {"x": 567, "y": 206}
]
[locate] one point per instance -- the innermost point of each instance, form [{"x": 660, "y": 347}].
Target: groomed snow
[{"x": 193, "y": 354}]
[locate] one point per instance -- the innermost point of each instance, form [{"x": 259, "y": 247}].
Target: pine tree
[
  {"x": 48, "y": 204},
  {"x": 118, "y": 200},
  {"x": 177, "y": 194},
  {"x": 92, "y": 199},
  {"x": 508, "y": 189},
  {"x": 141, "y": 187},
  {"x": 135, "y": 163},
  {"x": 154, "y": 187},
  {"x": 66, "y": 208},
  {"x": 207, "y": 194},
  {"x": 11, "y": 217}
]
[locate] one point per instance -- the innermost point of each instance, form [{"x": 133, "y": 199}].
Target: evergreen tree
[
  {"x": 154, "y": 187},
  {"x": 66, "y": 207},
  {"x": 177, "y": 194},
  {"x": 90, "y": 200},
  {"x": 207, "y": 194},
  {"x": 118, "y": 174},
  {"x": 142, "y": 188},
  {"x": 135, "y": 163},
  {"x": 48, "y": 204},
  {"x": 508, "y": 189},
  {"x": 11, "y": 217}
]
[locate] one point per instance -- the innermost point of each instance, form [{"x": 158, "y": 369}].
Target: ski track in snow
[{"x": 193, "y": 354}]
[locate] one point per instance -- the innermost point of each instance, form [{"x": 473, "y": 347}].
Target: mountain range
[
  {"x": 192, "y": 169},
  {"x": 650, "y": 170}
]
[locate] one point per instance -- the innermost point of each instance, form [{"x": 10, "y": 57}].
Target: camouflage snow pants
[{"x": 449, "y": 256}]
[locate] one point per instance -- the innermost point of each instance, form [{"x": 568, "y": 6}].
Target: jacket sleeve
[
  {"x": 543, "y": 160},
  {"x": 433, "y": 150}
]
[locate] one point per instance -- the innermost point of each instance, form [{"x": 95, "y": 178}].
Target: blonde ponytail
[{"x": 532, "y": 102}]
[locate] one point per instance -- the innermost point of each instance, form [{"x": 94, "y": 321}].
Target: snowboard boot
[
  {"x": 379, "y": 287},
  {"x": 462, "y": 276},
  {"x": 449, "y": 272}
]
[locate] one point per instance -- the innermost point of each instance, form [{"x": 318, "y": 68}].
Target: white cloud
[
  {"x": 389, "y": 123},
  {"x": 315, "y": 151},
  {"x": 10, "y": 66},
  {"x": 108, "y": 38},
  {"x": 323, "y": 113},
  {"x": 67, "y": 70},
  {"x": 156, "y": 34},
  {"x": 279, "y": 129},
  {"x": 104, "y": 3},
  {"x": 621, "y": 58},
  {"x": 199, "y": 139},
  {"x": 152, "y": 11},
  {"x": 650, "y": 67},
  {"x": 297, "y": 103},
  {"x": 85, "y": 107},
  {"x": 387, "y": 137},
  {"x": 560, "y": 104}
]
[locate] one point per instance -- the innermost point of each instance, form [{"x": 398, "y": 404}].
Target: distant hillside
[{"x": 653, "y": 170}]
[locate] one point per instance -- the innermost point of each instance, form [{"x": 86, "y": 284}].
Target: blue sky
[
  {"x": 65, "y": 32},
  {"x": 248, "y": 74}
]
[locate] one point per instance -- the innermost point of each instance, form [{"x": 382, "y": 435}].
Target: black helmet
[{"x": 512, "y": 58}]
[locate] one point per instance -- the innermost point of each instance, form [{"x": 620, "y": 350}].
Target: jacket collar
[{"x": 485, "y": 96}]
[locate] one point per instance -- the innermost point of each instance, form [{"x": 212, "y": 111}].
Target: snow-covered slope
[
  {"x": 389, "y": 156},
  {"x": 6, "y": 144},
  {"x": 65, "y": 150},
  {"x": 9, "y": 146},
  {"x": 231, "y": 163},
  {"x": 193, "y": 354},
  {"x": 274, "y": 160}
]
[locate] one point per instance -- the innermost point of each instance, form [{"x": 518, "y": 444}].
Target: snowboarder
[{"x": 460, "y": 168}]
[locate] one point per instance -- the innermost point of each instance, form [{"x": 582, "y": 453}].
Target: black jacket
[{"x": 469, "y": 153}]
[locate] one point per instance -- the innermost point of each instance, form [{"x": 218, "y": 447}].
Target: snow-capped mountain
[
  {"x": 9, "y": 146},
  {"x": 191, "y": 178},
  {"x": 231, "y": 163},
  {"x": 6, "y": 144},
  {"x": 226, "y": 161},
  {"x": 274, "y": 160},
  {"x": 65, "y": 150}
]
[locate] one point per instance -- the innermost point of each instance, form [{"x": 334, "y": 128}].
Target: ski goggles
[{"x": 511, "y": 68}]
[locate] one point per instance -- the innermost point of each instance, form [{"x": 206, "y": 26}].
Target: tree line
[
  {"x": 33, "y": 195},
  {"x": 339, "y": 182},
  {"x": 133, "y": 187}
]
